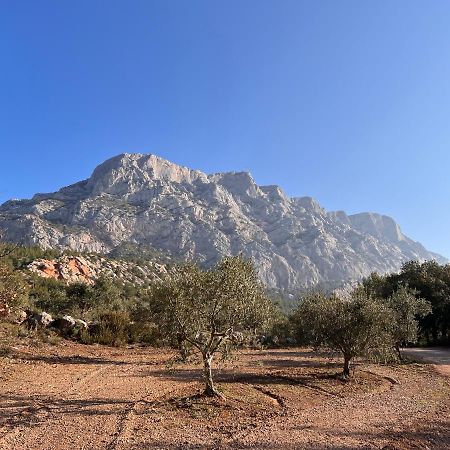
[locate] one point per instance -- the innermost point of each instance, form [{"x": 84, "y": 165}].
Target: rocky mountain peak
[
  {"x": 144, "y": 200},
  {"x": 238, "y": 183},
  {"x": 129, "y": 172},
  {"x": 309, "y": 204},
  {"x": 378, "y": 225}
]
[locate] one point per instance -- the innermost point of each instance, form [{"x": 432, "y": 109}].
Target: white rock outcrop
[{"x": 146, "y": 200}]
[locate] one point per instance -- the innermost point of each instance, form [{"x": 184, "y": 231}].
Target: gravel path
[{"x": 440, "y": 357}]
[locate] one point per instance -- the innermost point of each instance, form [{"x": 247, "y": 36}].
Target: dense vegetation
[
  {"x": 17, "y": 256},
  {"x": 428, "y": 280}
]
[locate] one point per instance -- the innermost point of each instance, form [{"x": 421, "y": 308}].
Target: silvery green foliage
[
  {"x": 354, "y": 326},
  {"x": 208, "y": 309},
  {"x": 407, "y": 306}
]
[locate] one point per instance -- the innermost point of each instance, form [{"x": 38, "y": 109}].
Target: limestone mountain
[{"x": 143, "y": 201}]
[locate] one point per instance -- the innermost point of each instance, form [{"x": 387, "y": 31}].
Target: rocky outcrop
[
  {"x": 68, "y": 268},
  {"x": 87, "y": 269},
  {"x": 34, "y": 320},
  {"x": 146, "y": 200},
  {"x": 66, "y": 326}
]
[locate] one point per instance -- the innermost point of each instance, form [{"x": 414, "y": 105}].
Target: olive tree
[
  {"x": 406, "y": 307},
  {"x": 354, "y": 326},
  {"x": 208, "y": 309}
]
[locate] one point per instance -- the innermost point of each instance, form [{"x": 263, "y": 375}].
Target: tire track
[
  {"x": 126, "y": 418},
  {"x": 50, "y": 411},
  {"x": 85, "y": 378}
]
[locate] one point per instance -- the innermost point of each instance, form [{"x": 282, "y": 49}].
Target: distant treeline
[{"x": 432, "y": 282}]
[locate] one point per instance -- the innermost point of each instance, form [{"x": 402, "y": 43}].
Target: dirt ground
[{"x": 71, "y": 396}]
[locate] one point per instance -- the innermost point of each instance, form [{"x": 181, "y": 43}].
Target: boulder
[
  {"x": 81, "y": 324},
  {"x": 36, "y": 320},
  {"x": 64, "y": 325},
  {"x": 21, "y": 317}
]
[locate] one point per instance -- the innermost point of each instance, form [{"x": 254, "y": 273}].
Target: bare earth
[{"x": 72, "y": 396}]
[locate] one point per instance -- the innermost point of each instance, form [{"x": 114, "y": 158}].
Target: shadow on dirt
[
  {"x": 430, "y": 434},
  {"x": 229, "y": 377},
  {"x": 292, "y": 363},
  {"x": 54, "y": 359},
  {"x": 88, "y": 360},
  {"x": 23, "y": 411},
  {"x": 275, "y": 353}
]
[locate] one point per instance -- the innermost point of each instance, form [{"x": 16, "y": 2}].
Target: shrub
[
  {"x": 13, "y": 291},
  {"x": 113, "y": 328}
]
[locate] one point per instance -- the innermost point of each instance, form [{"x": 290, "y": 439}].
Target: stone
[{"x": 36, "y": 320}]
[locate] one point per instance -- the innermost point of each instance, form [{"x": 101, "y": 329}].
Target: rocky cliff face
[{"x": 146, "y": 200}]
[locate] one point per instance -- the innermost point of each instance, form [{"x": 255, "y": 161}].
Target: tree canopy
[
  {"x": 406, "y": 307},
  {"x": 209, "y": 308},
  {"x": 355, "y": 327},
  {"x": 431, "y": 281}
]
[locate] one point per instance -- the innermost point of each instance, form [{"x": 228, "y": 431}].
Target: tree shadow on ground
[
  {"x": 429, "y": 434},
  {"x": 31, "y": 411},
  {"x": 55, "y": 359},
  {"x": 76, "y": 359},
  {"x": 420, "y": 434},
  {"x": 294, "y": 353},
  {"x": 229, "y": 376},
  {"x": 292, "y": 363}
]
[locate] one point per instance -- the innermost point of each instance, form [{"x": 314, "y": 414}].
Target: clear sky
[{"x": 345, "y": 101}]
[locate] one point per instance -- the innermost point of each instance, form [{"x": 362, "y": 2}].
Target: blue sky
[{"x": 345, "y": 101}]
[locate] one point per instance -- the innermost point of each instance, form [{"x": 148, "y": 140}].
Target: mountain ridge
[{"x": 144, "y": 199}]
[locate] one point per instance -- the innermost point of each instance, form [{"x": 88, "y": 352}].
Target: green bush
[
  {"x": 145, "y": 333},
  {"x": 112, "y": 329}
]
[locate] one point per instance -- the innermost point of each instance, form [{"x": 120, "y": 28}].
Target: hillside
[{"x": 137, "y": 201}]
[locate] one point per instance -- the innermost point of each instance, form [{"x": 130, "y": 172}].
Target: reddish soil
[{"x": 71, "y": 396}]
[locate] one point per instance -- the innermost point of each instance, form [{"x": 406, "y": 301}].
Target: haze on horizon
[{"x": 347, "y": 102}]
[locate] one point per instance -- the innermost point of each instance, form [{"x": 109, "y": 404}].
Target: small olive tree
[
  {"x": 354, "y": 326},
  {"x": 208, "y": 309},
  {"x": 406, "y": 307}
]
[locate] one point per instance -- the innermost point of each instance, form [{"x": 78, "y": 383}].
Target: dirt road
[
  {"x": 90, "y": 397},
  {"x": 439, "y": 356}
]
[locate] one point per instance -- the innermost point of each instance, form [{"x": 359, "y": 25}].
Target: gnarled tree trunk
[
  {"x": 346, "y": 371},
  {"x": 397, "y": 349},
  {"x": 210, "y": 390}
]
